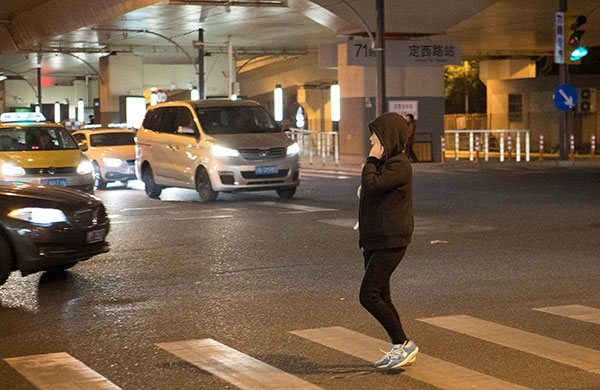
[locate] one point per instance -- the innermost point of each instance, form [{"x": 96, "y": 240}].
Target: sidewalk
[{"x": 355, "y": 163}]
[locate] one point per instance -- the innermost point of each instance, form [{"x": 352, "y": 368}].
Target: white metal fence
[
  {"x": 500, "y": 135},
  {"x": 321, "y": 145}
]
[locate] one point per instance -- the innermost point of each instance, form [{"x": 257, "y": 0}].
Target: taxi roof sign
[{"x": 22, "y": 117}]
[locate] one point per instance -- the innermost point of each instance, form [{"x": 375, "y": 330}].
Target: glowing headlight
[
  {"x": 85, "y": 167},
  {"x": 293, "y": 149},
  {"x": 220, "y": 151},
  {"x": 39, "y": 216},
  {"x": 112, "y": 162},
  {"x": 9, "y": 169}
]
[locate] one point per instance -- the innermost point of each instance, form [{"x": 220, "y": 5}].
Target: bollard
[
  {"x": 572, "y": 153},
  {"x": 509, "y": 147},
  {"x": 477, "y": 148},
  {"x": 443, "y": 149},
  {"x": 541, "y": 147},
  {"x": 593, "y": 151}
]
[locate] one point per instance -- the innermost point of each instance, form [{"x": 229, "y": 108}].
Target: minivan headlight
[
  {"x": 221, "y": 151},
  {"x": 9, "y": 169},
  {"x": 293, "y": 149},
  {"x": 39, "y": 216},
  {"x": 112, "y": 162},
  {"x": 85, "y": 167}
]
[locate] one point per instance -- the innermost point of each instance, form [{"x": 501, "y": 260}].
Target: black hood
[
  {"x": 392, "y": 131},
  {"x": 45, "y": 196}
]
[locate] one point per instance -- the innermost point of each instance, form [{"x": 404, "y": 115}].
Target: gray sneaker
[
  {"x": 385, "y": 360},
  {"x": 402, "y": 356}
]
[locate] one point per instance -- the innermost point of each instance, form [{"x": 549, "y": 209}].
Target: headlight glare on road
[
  {"x": 85, "y": 167},
  {"x": 9, "y": 169},
  {"x": 293, "y": 149},
  {"x": 221, "y": 151},
  {"x": 112, "y": 162},
  {"x": 39, "y": 216}
]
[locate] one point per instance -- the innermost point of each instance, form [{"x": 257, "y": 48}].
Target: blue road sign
[{"x": 565, "y": 97}]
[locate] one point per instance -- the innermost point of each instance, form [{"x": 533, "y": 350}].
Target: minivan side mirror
[{"x": 83, "y": 145}]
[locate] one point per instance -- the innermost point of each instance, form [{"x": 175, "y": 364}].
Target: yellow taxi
[{"x": 33, "y": 150}]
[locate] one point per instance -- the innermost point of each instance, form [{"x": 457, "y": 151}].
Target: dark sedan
[{"x": 48, "y": 228}]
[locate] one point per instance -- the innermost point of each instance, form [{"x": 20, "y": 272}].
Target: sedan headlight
[
  {"x": 293, "y": 149},
  {"x": 112, "y": 162},
  {"x": 9, "y": 169},
  {"x": 39, "y": 216},
  {"x": 221, "y": 151},
  {"x": 85, "y": 167}
]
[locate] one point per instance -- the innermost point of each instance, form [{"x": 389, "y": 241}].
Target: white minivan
[{"x": 215, "y": 146}]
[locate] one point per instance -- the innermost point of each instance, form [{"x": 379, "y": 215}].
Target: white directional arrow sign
[{"x": 565, "y": 97}]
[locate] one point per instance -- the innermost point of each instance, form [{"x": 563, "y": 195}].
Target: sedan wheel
[
  {"x": 204, "y": 187},
  {"x": 6, "y": 261},
  {"x": 153, "y": 190}
]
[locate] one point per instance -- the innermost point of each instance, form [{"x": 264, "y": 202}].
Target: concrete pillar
[
  {"x": 122, "y": 75},
  {"x": 424, "y": 84}
]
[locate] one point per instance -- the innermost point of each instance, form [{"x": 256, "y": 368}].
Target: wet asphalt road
[{"x": 246, "y": 270}]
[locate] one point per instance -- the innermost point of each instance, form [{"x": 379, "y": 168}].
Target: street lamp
[
  {"x": 335, "y": 106},
  {"x": 278, "y": 103},
  {"x": 57, "y": 112},
  {"x": 80, "y": 112}
]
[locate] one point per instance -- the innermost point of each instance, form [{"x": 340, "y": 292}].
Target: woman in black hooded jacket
[{"x": 386, "y": 226}]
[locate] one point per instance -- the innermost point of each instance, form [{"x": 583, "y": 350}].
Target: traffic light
[{"x": 573, "y": 49}]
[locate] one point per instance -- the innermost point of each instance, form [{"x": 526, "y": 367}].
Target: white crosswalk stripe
[
  {"x": 234, "y": 367},
  {"x": 428, "y": 369},
  {"x": 59, "y": 371},
  {"x": 576, "y": 312},
  {"x": 559, "y": 351},
  {"x": 295, "y": 207}
]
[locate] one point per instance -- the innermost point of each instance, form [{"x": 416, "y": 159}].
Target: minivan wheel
[
  {"x": 98, "y": 181},
  {"x": 287, "y": 193},
  {"x": 204, "y": 187},
  {"x": 6, "y": 260},
  {"x": 153, "y": 190}
]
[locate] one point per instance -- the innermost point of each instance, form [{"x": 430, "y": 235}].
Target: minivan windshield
[
  {"x": 112, "y": 139},
  {"x": 236, "y": 120},
  {"x": 33, "y": 138}
]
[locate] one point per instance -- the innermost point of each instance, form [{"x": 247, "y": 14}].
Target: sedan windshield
[
  {"x": 35, "y": 138},
  {"x": 236, "y": 120},
  {"x": 112, "y": 139}
]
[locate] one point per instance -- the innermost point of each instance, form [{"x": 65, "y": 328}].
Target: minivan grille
[{"x": 263, "y": 154}]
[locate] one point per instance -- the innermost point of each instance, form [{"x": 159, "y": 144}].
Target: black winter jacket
[{"x": 385, "y": 212}]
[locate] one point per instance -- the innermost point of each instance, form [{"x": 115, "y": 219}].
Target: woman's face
[{"x": 374, "y": 140}]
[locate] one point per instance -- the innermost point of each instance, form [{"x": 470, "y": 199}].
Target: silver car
[{"x": 215, "y": 146}]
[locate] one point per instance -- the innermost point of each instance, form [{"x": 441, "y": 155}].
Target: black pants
[
  {"x": 375, "y": 290},
  {"x": 411, "y": 154}
]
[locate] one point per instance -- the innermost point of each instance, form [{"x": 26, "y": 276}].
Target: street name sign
[{"x": 405, "y": 53}]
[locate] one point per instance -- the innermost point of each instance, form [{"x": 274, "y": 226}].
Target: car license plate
[
  {"x": 269, "y": 170},
  {"x": 54, "y": 182},
  {"x": 96, "y": 235}
]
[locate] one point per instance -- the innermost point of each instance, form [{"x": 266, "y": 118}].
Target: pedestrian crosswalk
[{"x": 62, "y": 371}]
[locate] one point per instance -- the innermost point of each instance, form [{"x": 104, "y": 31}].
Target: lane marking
[
  {"x": 148, "y": 208},
  {"x": 204, "y": 217},
  {"x": 559, "y": 351},
  {"x": 325, "y": 176},
  {"x": 234, "y": 367},
  {"x": 295, "y": 207},
  {"x": 59, "y": 371},
  {"x": 576, "y": 312},
  {"x": 341, "y": 222},
  {"x": 427, "y": 369},
  {"x": 346, "y": 171}
]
